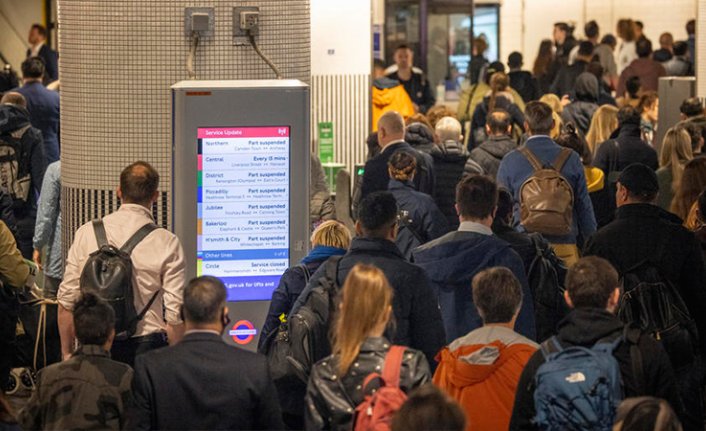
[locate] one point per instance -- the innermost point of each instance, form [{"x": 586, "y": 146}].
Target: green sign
[{"x": 326, "y": 142}]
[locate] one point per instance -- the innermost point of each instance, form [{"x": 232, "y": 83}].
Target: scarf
[{"x": 322, "y": 252}]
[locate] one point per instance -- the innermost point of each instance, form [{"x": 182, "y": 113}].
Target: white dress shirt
[{"x": 158, "y": 265}]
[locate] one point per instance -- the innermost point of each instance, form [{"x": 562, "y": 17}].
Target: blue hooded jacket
[{"x": 452, "y": 261}]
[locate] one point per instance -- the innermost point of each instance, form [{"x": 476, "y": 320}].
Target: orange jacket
[
  {"x": 390, "y": 95},
  {"x": 481, "y": 372}
]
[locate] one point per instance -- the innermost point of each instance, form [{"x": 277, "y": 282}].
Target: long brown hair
[
  {"x": 545, "y": 57},
  {"x": 693, "y": 182},
  {"x": 603, "y": 124},
  {"x": 365, "y": 303},
  {"x": 675, "y": 153},
  {"x": 498, "y": 83}
]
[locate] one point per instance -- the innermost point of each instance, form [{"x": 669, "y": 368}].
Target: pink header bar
[{"x": 244, "y": 132}]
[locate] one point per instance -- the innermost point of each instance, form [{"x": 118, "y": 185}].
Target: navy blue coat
[
  {"x": 376, "y": 176},
  {"x": 451, "y": 263},
  {"x": 417, "y": 318},
  {"x": 428, "y": 222},
  {"x": 43, "y": 107}
]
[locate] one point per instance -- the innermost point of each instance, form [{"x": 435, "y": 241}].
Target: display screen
[{"x": 243, "y": 208}]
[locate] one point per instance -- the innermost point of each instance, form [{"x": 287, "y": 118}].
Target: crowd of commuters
[{"x": 536, "y": 260}]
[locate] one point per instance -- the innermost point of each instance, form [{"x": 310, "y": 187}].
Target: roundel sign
[{"x": 243, "y": 332}]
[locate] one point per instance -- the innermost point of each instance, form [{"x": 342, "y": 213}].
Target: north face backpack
[
  {"x": 546, "y": 197},
  {"x": 577, "y": 388},
  {"x": 650, "y": 302},
  {"x": 376, "y": 411},
  {"x": 15, "y": 177},
  {"x": 109, "y": 274},
  {"x": 302, "y": 339}
]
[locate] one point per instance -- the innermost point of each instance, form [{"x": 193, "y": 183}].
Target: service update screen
[{"x": 243, "y": 208}]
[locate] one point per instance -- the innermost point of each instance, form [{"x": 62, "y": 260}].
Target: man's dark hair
[
  {"x": 590, "y": 282},
  {"x": 643, "y": 47},
  {"x": 585, "y": 49},
  {"x": 692, "y": 107},
  {"x": 428, "y": 408},
  {"x": 499, "y": 121},
  {"x": 506, "y": 205},
  {"x": 591, "y": 29},
  {"x": 564, "y": 27},
  {"x": 609, "y": 40},
  {"x": 379, "y": 64},
  {"x": 514, "y": 60},
  {"x": 138, "y": 183},
  {"x": 570, "y": 138},
  {"x": 377, "y": 212},
  {"x": 497, "y": 295},
  {"x": 539, "y": 118},
  {"x": 639, "y": 24},
  {"x": 680, "y": 48},
  {"x": 402, "y": 46},
  {"x": 633, "y": 86},
  {"x": 40, "y": 29},
  {"x": 476, "y": 196},
  {"x": 695, "y": 134},
  {"x": 204, "y": 299},
  {"x": 94, "y": 319},
  {"x": 628, "y": 115},
  {"x": 33, "y": 68},
  {"x": 691, "y": 27}
]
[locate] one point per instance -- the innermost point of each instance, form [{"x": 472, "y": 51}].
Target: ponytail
[{"x": 498, "y": 83}]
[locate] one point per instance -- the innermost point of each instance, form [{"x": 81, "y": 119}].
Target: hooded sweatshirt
[
  {"x": 390, "y": 95},
  {"x": 481, "y": 372},
  {"x": 489, "y": 154},
  {"x": 580, "y": 112},
  {"x": 452, "y": 261}
]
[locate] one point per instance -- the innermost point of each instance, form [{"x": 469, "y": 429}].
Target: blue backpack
[{"x": 578, "y": 388}]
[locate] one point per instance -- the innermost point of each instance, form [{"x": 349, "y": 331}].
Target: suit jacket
[
  {"x": 376, "y": 177},
  {"x": 43, "y": 108},
  {"x": 203, "y": 383},
  {"x": 51, "y": 62}
]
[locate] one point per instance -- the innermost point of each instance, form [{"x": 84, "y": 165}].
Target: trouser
[
  {"x": 51, "y": 286},
  {"x": 569, "y": 253},
  {"x": 25, "y": 234},
  {"x": 9, "y": 313},
  {"x": 125, "y": 351},
  {"x": 689, "y": 382}
]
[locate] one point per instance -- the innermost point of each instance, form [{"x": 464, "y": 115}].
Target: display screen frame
[{"x": 253, "y": 286}]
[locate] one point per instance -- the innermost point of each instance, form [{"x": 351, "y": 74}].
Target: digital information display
[{"x": 243, "y": 208}]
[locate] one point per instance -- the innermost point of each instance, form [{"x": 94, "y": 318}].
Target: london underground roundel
[{"x": 243, "y": 332}]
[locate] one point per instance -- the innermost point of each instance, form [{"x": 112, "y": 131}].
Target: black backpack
[
  {"x": 302, "y": 339},
  {"x": 653, "y": 304},
  {"x": 109, "y": 274},
  {"x": 15, "y": 177},
  {"x": 545, "y": 277}
]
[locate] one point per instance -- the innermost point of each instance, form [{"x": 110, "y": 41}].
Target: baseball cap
[{"x": 639, "y": 179}]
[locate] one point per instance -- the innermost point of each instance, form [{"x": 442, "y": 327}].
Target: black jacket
[
  {"x": 502, "y": 101},
  {"x": 566, "y": 78},
  {"x": 376, "y": 176},
  {"x": 451, "y": 163},
  {"x": 584, "y": 327},
  {"x": 525, "y": 84},
  {"x": 331, "y": 399},
  {"x": 424, "y": 222},
  {"x": 630, "y": 149},
  {"x": 489, "y": 154},
  {"x": 420, "y": 137},
  {"x": 637, "y": 233},
  {"x": 418, "y": 321},
  {"x": 418, "y": 89},
  {"x": 586, "y": 90},
  {"x": 203, "y": 383}
]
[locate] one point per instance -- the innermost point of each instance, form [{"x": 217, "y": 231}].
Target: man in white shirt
[
  {"x": 38, "y": 48},
  {"x": 158, "y": 268}
]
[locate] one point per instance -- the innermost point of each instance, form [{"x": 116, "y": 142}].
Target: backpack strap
[
  {"x": 305, "y": 271},
  {"x": 147, "y": 307},
  {"x": 332, "y": 265},
  {"x": 99, "y": 230},
  {"x": 137, "y": 237},
  {"x": 531, "y": 158},
  {"x": 560, "y": 161},
  {"x": 632, "y": 337},
  {"x": 393, "y": 366}
]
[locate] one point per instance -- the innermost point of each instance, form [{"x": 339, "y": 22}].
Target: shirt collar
[
  {"x": 471, "y": 226},
  {"x": 136, "y": 208},
  {"x": 202, "y": 331},
  {"x": 91, "y": 350},
  {"x": 399, "y": 141},
  {"x": 538, "y": 136}
]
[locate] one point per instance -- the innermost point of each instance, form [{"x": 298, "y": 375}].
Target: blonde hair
[
  {"x": 676, "y": 152},
  {"x": 402, "y": 166},
  {"x": 603, "y": 123},
  {"x": 331, "y": 233},
  {"x": 553, "y": 101},
  {"x": 366, "y": 302},
  {"x": 558, "y": 124}
]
